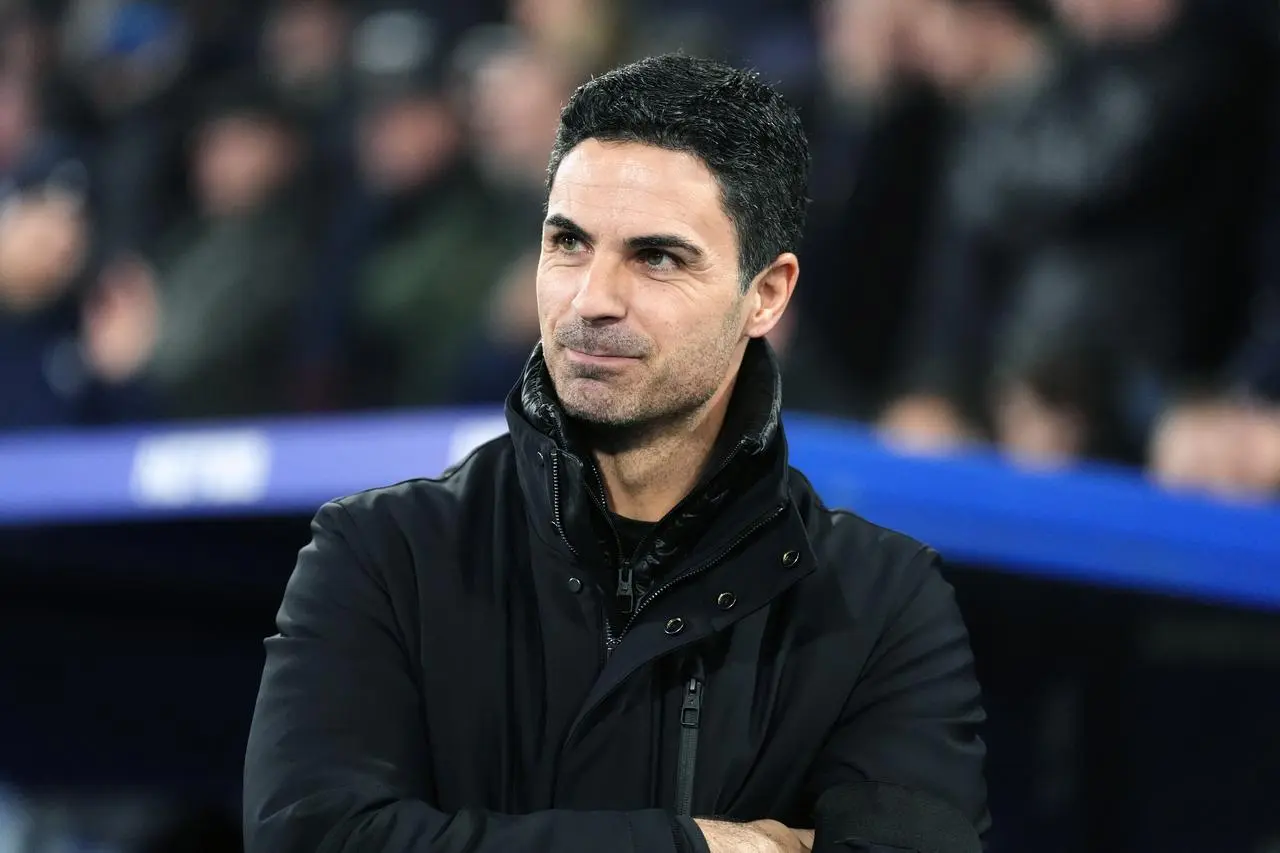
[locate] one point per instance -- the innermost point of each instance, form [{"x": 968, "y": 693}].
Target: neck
[{"x": 647, "y": 474}]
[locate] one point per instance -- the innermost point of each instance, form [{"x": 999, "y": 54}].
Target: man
[{"x": 628, "y": 625}]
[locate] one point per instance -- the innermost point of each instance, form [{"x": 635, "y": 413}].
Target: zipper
[
  {"x": 626, "y": 580},
  {"x": 626, "y": 585},
  {"x": 555, "y": 501},
  {"x": 687, "y": 765},
  {"x": 626, "y": 589},
  {"x": 610, "y": 641},
  {"x": 625, "y": 593},
  {"x": 703, "y": 567}
]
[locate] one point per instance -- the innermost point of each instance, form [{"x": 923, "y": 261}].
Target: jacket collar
[{"x": 564, "y": 490}]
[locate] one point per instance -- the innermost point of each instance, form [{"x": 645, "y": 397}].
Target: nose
[{"x": 601, "y": 296}]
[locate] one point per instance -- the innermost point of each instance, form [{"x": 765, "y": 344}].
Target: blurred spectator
[
  {"x": 513, "y": 94},
  {"x": 979, "y": 53},
  {"x": 409, "y": 268},
  {"x": 304, "y": 48},
  {"x": 45, "y": 236},
  {"x": 129, "y": 59},
  {"x": 1227, "y": 440},
  {"x": 587, "y": 36},
  {"x": 206, "y": 320},
  {"x": 303, "y": 56},
  {"x": 1029, "y": 217},
  {"x": 128, "y": 52},
  {"x": 1093, "y": 253},
  {"x": 877, "y": 136},
  {"x": 48, "y": 366}
]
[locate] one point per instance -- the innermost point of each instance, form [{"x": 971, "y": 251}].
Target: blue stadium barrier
[{"x": 1093, "y": 525}]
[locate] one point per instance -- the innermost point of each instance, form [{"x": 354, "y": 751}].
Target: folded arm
[
  {"x": 338, "y": 757},
  {"x": 904, "y": 770}
]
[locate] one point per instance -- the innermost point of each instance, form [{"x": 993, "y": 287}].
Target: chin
[{"x": 597, "y": 409}]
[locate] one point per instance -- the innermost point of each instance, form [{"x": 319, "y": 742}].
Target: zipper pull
[
  {"x": 687, "y": 761},
  {"x": 691, "y": 709},
  {"x": 626, "y": 590}
]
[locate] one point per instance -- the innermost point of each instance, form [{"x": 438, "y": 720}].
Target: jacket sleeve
[
  {"x": 337, "y": 758},
  {"x": 904, "y": 769}
]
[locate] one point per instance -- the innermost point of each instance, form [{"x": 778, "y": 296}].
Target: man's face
[{"x": 641, "y": 312}]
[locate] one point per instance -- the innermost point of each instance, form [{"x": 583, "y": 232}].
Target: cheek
[
  {"x": 688, "y": 332},
  {"x": 555, "y": 291}
]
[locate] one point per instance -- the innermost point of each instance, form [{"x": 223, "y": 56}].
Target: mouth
[{"x": 599, "y": 359}]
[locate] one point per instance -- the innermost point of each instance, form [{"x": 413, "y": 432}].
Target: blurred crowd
[{"x": 1048, "y": 225}]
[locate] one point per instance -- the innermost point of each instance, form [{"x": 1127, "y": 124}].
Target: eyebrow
[
  {"x": 647, "y": 241},
  {"x": 665, "y": 241},
  {"x": 564, "y": 223}
]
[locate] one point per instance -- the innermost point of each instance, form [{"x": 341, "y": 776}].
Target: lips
[
  {"x": 585, "y": 344},
  {"x": 597, "y": 359}
]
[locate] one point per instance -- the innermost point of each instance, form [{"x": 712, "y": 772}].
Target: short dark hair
[{"x": 741, "y": 128}]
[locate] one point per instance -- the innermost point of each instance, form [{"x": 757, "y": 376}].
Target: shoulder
[
  {"x": 876, "y": 566},
  {"x": 423, "y": 511},
  {"x": 380, "y": 553}
]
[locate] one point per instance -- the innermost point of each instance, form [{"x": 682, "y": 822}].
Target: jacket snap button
[
  {"x": 726, "y": 600},
  {"x": 790, "y": 558},
  {"x": 575, "y": 586},
  {"x": 674, "y": 626}
]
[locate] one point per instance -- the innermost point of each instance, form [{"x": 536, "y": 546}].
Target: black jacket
[{"x": 445, "y": 677}]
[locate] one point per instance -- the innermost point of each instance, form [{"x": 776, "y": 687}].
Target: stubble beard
[{"x": 628, "y": 417}]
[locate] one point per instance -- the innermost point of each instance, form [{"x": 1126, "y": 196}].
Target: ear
[{"x": 771, "y": 292}]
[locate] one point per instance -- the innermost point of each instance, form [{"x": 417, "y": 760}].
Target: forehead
[{"x": 628, "y": 189}]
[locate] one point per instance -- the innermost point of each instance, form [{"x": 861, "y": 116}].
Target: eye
[
  {"x": 657, "y": 260},
  {"x": 567, "y": 242}
]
